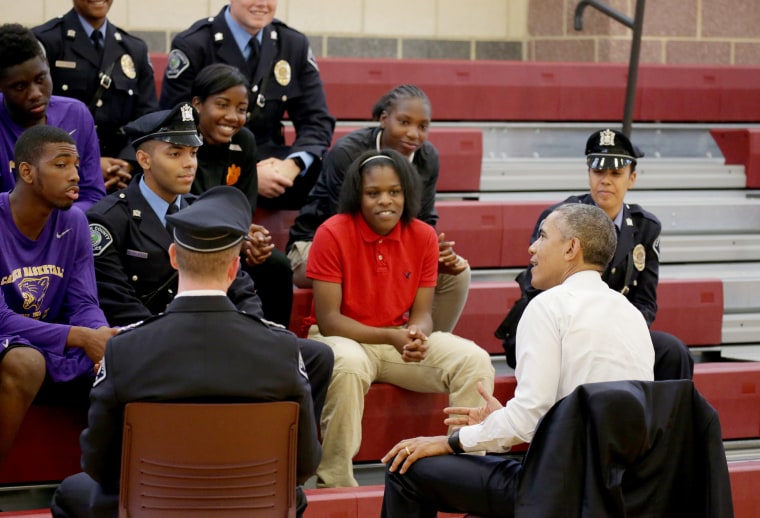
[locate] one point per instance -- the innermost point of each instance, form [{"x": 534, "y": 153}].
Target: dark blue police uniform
[
  {"x": 128, "y": 91},
  {"x": 285, "y": 79},
  {"x": 633, "y": 271},
  {"x": 130, "y": 243},
  {"x": 201, "y": 348}
]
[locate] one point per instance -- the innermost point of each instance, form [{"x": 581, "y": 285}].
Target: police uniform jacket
[
  {"x": 199, "y": 350},
  {"x": 131, "y": 247},
  {"x": 232, "y": 164},
  {"x": 323, "y": 198},
  {"x": 75, "y": 69},
  {"x": 286, "y": 76},
  {"x": 627, "y": 448},
  {"x": 633, "y": 271},
  {"x": 635, "y": 267}
]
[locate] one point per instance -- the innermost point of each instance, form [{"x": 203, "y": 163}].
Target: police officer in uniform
[
  {"x": 634, "y": 270},
  {"x": 107, "y": 69},
  {"x": 211, "y": 351},
  {"x": 131, "y": 240},
  {"x": 284, "y": 78}
]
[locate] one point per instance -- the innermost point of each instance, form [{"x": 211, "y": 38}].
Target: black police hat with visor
[
  {"x": 216, "y": 221},
  {"x": 177, "y": 126},
  {"x": 610, "y": 149}
]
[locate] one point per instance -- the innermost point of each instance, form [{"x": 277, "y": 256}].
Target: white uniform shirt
[{"x": 578, "y": 332}]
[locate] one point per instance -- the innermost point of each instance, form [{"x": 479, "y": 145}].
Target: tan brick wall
[{"x": 675, "y": 31}]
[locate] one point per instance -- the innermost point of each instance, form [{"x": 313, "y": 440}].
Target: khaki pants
[
  {"x": 450, "y": 290},
  {"x": 452, "y": 365}
]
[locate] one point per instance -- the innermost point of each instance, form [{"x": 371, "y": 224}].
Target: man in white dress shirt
[{"x": 577, "y": 331}]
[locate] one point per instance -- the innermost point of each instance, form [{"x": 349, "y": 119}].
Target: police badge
[
  {"x": 639, "y": 257},
  {"x": 282, "y": 73},
  {"x": 607, "y": 138},
  {"x": 128, "y": 66}
]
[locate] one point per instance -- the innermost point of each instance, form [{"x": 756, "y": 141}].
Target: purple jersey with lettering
[
  {"x": 46, "y": 286},
  {"x": 71, "y": 115}
]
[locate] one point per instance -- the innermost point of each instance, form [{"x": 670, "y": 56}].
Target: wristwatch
[
  {"x": 454, "y": 442},
  {"x": 299, "y": 162}
]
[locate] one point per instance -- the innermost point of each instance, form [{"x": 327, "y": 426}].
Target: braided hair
[{"x": 388, "y": 101}]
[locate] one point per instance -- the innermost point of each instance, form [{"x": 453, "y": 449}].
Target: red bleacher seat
[
  {"x": 539, "y": 91},
  {"x": 392, "y": 414},
  {"x": 490, "y": 234},
  {"x": 487, "y": 304},
  {"x": 46, "y": 447},
  {"x": 691, "y": 309},
  {"x": 745, "y": 479},
  {"x": 741, "y": 146},
  {"x": 734, "y": 390}
]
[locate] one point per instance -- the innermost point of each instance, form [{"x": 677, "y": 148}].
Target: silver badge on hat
[
  {"x": 187, "y": 113},
  {"x": 607, "y": 138}
]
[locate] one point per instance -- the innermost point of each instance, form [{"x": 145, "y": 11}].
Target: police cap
[
  {"x": 176, "y": 126},
  {"x": 217, "y": 220},
  {"x": 610, "y": 149}
]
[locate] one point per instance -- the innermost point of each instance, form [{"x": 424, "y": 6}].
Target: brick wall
[{"x": 675, "y": 31}]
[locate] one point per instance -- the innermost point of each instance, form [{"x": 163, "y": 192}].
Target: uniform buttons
[
  {"x": 65, "y": 87},
  {"x": 284, "y": 98},
  {"x": 99, "y": 103},
  {"x": 380, "y": 257},
  {"x": 122, "y": 195},
  {"x": 380, "y": 242},
  {"x": 613, "y": 271},
  {"x": 131, "y": 92},
  {"x": 635, "y": 283},
  {"x": 134, "y": 278},
  {"x": 170, "y": 291},
  {"x": 255, "y": 88}
]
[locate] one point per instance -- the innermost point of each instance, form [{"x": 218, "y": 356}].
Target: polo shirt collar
[{"x": 371, "y": 236}]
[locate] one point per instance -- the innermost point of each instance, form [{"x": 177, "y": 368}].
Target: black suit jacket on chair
[{"x": 627, "y": 448}]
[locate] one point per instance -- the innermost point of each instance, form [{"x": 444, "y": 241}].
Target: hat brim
[
  {"x": 600, "y": 162},
  {"x": 198, "y": 242},
  {"x": 185, "y": 138}
]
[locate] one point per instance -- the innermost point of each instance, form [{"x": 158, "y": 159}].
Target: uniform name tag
[
  {"x": 137, "y": 253},
  {"x": 65, "y": 64}
]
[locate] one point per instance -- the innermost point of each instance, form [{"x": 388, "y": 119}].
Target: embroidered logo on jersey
[
  {"x": 282, "y": 73},
  {"x": 33, "y": 290},
  {"x": 178, "y": 63},
  {"x": 233, "y": 174},
  {"x": 101, "y": 375},
  {"x": 100, "y": 238},
  {"x": 639, "y": 257},
  {"x": 128, "y": 66}
]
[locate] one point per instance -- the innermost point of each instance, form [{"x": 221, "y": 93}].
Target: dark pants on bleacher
[
  {"x": 483, "y": 485},
  {"x": 273, "y": 280},
  {"x": 672, "y": 359}
]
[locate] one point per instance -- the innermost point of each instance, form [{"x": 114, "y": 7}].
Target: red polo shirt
[{"x": 379, "y": 275}]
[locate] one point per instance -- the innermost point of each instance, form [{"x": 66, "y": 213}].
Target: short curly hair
[{"x": 17, "y": 45}]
